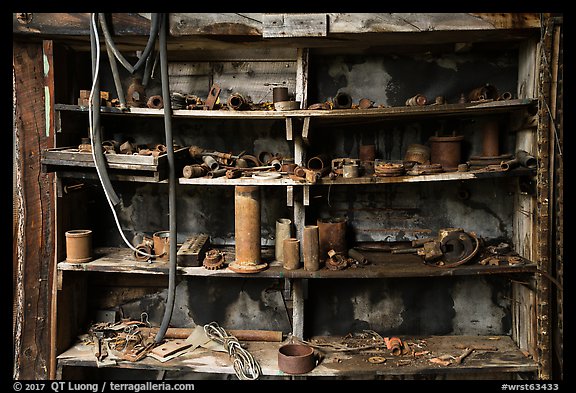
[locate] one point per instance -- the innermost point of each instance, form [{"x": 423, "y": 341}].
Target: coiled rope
[{"x": 245, "y": 366}]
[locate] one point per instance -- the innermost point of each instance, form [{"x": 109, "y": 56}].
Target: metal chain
[{"x": 245, "y": 366}]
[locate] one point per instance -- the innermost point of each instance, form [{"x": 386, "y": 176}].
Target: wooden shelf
[
  {"x": 69, "y": 162},
  {"x": 506, "y": 359},
  {"x": 382, "y": 265},
  {"x": 470, "y": 108},
  {"x": 363, "y": 180}
]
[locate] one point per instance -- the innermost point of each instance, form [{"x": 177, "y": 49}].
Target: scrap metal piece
[
  {"x": 336, "y": 261},
  {"x": 170, "y": 348},
  {"x": 193, "y": 250},
  {"x": 394, "y": 344},
  {"x": 376, "y": 359},
  {"x": 213, "y": 95}
]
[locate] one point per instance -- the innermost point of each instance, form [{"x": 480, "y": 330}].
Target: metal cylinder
[
  {"x": 247, "y": 224},
  {"x": 192, "y": 171},
  {"x": 155, "y": 102},
  {"x": 417, "y": 100},
  {"x": 79, "y": 245},
  {"x": 291, "y": 250},
  {"x": 310, "y": 248},
  {"x": 210, "y": 162},
  {"x": 342, "y": 101},
  {"x": 331, "y": 235},
  {"x": 367, "y": 152},
  {"x": 283, "y": 232},
  {"x": 236, "y": 101},
  {"x": 319, "y": 162},
  {"x": 417, "y": 153},
  {"x": 490, "y": 141},
  {"x": 279, "y": 94},
  {"x": 350, "y": 171},
  {"x": 446, "y": 151}
]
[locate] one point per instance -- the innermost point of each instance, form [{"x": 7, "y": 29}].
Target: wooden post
[{"x": 34, "y": 238}]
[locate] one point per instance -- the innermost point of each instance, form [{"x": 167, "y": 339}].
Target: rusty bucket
[
  {"x": 331, "y": 235},
  {"x": 79, "y": 245},
  {"x": 296, "y": 359}
]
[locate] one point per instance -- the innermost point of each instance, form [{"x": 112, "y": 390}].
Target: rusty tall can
[
  {"x": 291, "y": 254},
  {"x": 283, "y": 231},
  {"x": 310, "y": 248},
  {"x": 331, "y": 235}
]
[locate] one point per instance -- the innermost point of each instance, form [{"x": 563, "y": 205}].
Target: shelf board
[
  {"x": 382, "y": 265},
  {"x": 363, "y": 180},
  {"x": 506, "y": 359},
  {"x": 472, "y": 108}
]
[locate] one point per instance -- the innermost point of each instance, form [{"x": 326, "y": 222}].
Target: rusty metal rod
[{"x": 241, "y": 335}]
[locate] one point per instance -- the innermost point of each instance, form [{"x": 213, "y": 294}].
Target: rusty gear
[{"x": 214, "y": 260}]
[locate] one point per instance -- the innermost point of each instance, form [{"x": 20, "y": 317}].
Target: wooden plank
[
  {"x": 187, "y": 24},
  {"x": 359, "y": 23},
  {"x": 77, "y": 24},
  {"x": 382, "y": 265},
  {"x": 506, "y": 359},
  {"x": 35, "y": 236},
  {"x": 294, "y": 25}
]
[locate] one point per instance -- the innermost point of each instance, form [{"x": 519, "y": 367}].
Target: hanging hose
[
  {"x": 116, "y": 76},
  {"x": 96, "y": 137},
  {"x": 155, "y": 23},
  {"x": 171, "y": 181},
  {"x": 94, "y": 112}
]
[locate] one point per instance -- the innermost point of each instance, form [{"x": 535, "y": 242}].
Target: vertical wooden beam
[
  {"x": 543, "y": 213},
  {"x": 302, "y": 77},
  {"x": 34, "y": 191}
]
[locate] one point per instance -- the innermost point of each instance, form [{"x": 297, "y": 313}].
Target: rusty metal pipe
[
  {"x": 247, "y": 224},
  {"x": 217, "y": 173},
  {"x": 192, "y": 171},
  {"x": 417, "y": 100},
  {"x": 241, "y": 335},
  {"x": 155, "y": 102},
  {"x": 490, "y": 141},
  {"x": 319, "y": 162},
  {"x": 210, "y": 162},
  {"x": 342, "y": 101},
  {"x": 355, "y": 254},
  {"x": 291, "y": 251},
  {"x": 283, "y": 232},
  {"x": 310, "y": 248}
]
